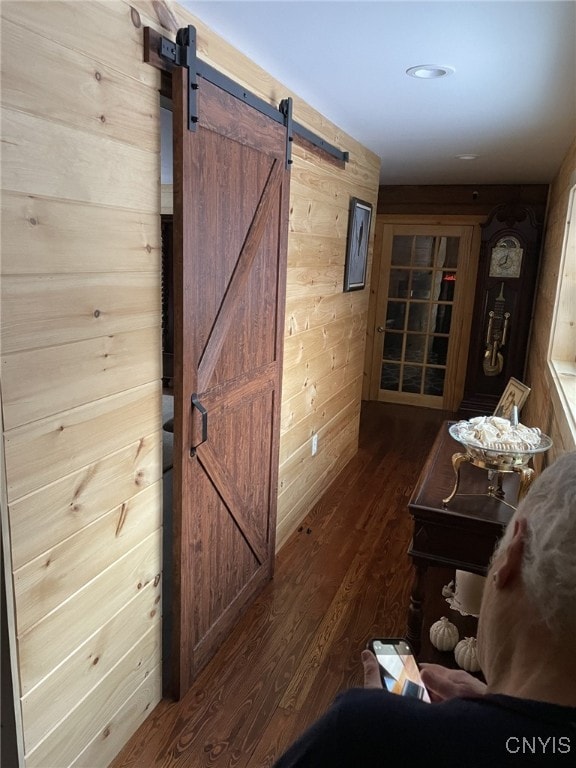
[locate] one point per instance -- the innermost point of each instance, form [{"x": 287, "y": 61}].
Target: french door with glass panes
[{"x": 423, "y": 314}]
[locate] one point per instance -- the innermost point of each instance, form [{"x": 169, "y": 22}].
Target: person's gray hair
[{"x": 549, "y": 564}]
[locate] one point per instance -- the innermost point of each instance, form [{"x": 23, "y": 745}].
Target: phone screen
[{"x": 398, "y": 668}]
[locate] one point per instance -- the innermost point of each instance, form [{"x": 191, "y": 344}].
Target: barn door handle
[{"x": 204, "y": 414}]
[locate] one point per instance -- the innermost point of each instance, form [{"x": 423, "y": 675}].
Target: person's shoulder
[
  {"x": 374, "y": 704},
  {"x": 513, "y": 725},
  {"x": 531, "y": 708},
  {"x": 377, "y": 698},
  {"x": 406, "y": 728}
]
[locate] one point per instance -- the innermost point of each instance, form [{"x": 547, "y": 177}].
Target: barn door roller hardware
[{"x": 166, "y": 54}]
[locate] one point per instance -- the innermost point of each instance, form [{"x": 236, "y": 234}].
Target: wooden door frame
[{"x": 454, "y": 395}]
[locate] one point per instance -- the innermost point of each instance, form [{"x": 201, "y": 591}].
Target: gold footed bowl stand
[{"x": 495, "y": 471}]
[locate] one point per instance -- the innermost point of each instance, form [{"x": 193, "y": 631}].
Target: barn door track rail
[{"x": 166, "y": 54}]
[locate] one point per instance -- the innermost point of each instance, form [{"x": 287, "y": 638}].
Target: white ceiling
[{"x": 511, "y": 99}]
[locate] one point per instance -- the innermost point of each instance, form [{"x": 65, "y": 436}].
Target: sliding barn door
[{"x": 230, "y": 230}]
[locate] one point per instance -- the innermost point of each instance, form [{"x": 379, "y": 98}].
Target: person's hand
[
  {"x": 443, "y": 683},
  {"x": 372, "y": 677}
]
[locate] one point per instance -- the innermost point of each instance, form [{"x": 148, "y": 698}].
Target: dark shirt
[{"x": 370, "y": 727}]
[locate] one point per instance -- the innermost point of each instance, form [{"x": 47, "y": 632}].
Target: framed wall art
[{"x": 357, "y": 245}]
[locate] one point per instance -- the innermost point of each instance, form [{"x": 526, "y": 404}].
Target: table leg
[
  {"x": 526, "y": 478},
  {"x": 457, "y": 460},
  {"x": 495, "y": 488},
  {"x": 415, "y": 611}
]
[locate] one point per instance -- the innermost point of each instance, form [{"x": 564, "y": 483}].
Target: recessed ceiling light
[
  {"x": 467, "y": 157},
  {"x": 429, "y": 71}
]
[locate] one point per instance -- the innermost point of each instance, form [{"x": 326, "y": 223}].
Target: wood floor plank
[{"x": 342, "y": 578}]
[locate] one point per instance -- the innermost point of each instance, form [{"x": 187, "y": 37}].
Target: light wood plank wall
[
  {"x": 543, "y": 406},
  {"x": 81, "y": 375},
  {"x": 81, "y": 358}
]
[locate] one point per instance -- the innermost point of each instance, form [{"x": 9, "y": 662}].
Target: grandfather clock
[{"x": 505, "y": 287}]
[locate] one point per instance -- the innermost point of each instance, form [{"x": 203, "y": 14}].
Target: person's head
[
  {"x": 549, "y": 561},
  {"x": 532, "y": 577}
]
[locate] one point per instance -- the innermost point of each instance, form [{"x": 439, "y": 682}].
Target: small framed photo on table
[
  {"x": 514, "y": 394},
  {"x": 357, "y": 245}
]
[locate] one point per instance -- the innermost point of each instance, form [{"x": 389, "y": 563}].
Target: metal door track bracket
[
  {"x": 166, "y": 54},
  {"x": 286, "y": 109},
  {"x": 186, "y": 45}
]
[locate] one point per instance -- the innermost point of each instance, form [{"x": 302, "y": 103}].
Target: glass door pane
[{"x": 423, "y": 275}]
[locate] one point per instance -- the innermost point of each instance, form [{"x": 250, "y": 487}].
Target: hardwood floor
[{"x": 341, "y": 579}]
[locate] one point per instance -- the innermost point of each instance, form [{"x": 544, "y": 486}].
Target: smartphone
[{"x": 398, "y": 668}]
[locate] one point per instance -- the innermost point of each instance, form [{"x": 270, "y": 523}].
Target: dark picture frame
[{"x": 359, "y": 221}]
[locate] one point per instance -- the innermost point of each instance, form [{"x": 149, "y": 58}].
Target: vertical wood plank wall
[
  {"x": 81, "y": 357},
  {"x": 543, "y": 407},
  {"x": 325, "y": 333},
  {"x": 81, "y": 374}
]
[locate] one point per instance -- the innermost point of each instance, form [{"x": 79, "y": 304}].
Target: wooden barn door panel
[{"x": 230, "y": 230}]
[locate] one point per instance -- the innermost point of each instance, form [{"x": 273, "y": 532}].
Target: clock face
[{"x": 506, "y": 258}]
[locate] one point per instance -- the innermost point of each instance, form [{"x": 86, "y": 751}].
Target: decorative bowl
[{"x": 495, "y": 454}]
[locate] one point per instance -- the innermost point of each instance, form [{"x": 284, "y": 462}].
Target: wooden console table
[{"x": 462, "y": 535}]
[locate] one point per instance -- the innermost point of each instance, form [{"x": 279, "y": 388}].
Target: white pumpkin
[
  {"x": 466, "y": 655},
  {"x": 444, "y": 635}
]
